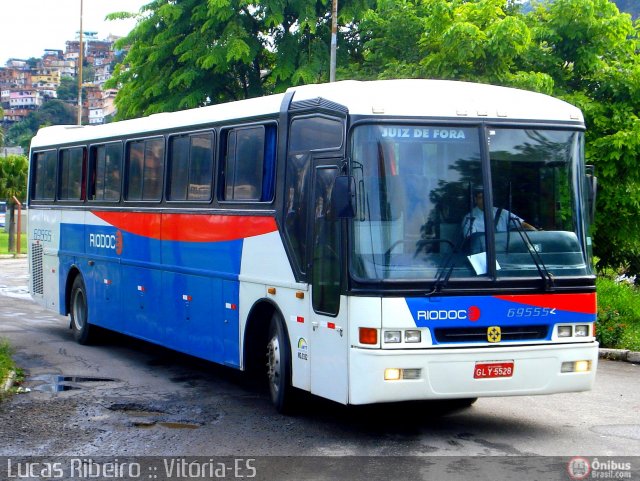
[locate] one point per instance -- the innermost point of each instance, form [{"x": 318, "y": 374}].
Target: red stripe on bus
[
  {"x": 582, "y": 303},
  {"x": 189, "y": 227}
]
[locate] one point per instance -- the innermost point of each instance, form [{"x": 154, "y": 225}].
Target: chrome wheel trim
[
  {"x": 273, "y": 364},
  {"x": 79, "y": 310}
]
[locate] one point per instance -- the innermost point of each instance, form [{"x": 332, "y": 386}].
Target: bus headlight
[
  {"x": 564, "y": 331},
  {"x": 575, "y": 331},
  {"x": 392, "y": 337},
  {"x": 412, "y": 336},
  {"x": 581, "y": 330}
]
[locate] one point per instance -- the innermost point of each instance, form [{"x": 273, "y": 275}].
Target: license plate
[{"x": 485, "y": 370}]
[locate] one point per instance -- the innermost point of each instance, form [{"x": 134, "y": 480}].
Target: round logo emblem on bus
[
  {"x": 473, "y": 313},
  {"x": 118, "y": 242}
]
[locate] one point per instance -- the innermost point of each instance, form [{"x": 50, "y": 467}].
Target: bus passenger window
[
  {"x": 106, "y": 167},
  {"x": 190, "y": 167},
  {"x": 44, "y": 183},
  {"x": 249, "y": 168},
  {"x": 72, "y": 174},
  {"x": 145, "y": 168}
]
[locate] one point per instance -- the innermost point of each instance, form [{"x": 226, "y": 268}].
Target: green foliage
[
  {"x": 476, "y": 40},
  {"x": 6, "y": 363},
  {"x": 618, "y": 314},
  {"x": 68, "y": 89},
  {"x": 189, "y": 53},
  {"x": 13, "y": 177},
  {"x": 53, "y": 112},
  {"x": 4, "y": 243}
]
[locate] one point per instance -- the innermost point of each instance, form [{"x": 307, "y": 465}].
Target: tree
[
  {"x": 189, "y": 53},
  {"x": 68, "y": 89},
  {"x": 592, "y": 52},
  {"x": 13, "y": 177},
  {"x": 475, "y": 40}
]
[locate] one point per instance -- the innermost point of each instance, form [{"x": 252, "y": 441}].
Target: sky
[{"x": 28, "y": 27}]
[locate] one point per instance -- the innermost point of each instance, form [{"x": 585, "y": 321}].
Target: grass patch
[
  {"x": 6, "y": 363},
  {"x": 4, "y": 242},
  {"x": 618, "y": 324}
]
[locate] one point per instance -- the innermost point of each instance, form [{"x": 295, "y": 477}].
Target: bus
[
  {"x": 333, "y": 233},
  {"x": 3, "y": 213}
]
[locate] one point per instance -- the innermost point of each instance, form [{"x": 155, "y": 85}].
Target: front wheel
[
  {"x": 279, "y": 366},
  {"x": 82, "y": 330}
]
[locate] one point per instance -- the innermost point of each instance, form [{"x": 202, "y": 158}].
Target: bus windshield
[{"x": 422, "y": 203}]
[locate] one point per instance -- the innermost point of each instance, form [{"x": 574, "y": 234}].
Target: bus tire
[
  {"x": 79, "y": 311},
  {"x": 279, "y": 366}
]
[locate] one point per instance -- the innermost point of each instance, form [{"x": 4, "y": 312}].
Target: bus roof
[{"x": 406, "y": 97}]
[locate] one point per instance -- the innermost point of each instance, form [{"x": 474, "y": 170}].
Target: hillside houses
[{"x": 25, "y": 85}]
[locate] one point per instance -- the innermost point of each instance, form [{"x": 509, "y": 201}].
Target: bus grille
[
  {"x": 479, "y": 334},
  {"x": 36, "y": 268}
]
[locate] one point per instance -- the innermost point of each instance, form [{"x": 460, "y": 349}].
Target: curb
[
  {"x": 13, "y": 256},
  {"x": 619, "y": 355}
]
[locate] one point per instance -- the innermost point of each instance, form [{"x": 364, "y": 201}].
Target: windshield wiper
[
  {"x": 444, "y": 273},
  {"x": 546, "y": 276}
]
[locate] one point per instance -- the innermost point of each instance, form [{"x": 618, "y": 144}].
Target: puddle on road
[{"x": 61, "y": 383}]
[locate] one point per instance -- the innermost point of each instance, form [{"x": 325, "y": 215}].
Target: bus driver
[{"x": 503, "y": 219}]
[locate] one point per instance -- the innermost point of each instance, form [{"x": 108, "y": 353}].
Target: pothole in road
[
  {"x": 59, "y": 383},
  {"x": 166, "y": 425},
  {"x": 148, "y": 416},
  {"x": 135, "y": 409}
]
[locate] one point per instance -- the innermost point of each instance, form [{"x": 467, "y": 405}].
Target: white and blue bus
[{"x": 335, "y": 233}]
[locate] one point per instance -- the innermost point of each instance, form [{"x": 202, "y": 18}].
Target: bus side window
[
  {"x": 249, "y": 164},
  {"x": 72, "y": 174},
  {"x": 44, "y": 183},
  {"x": 105, "y": 172},
  {"x": 190, "y": 167},
  {"x": 145, "y": 168}
]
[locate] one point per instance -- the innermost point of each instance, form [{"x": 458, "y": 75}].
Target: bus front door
[{"x": 328, "y": 348}]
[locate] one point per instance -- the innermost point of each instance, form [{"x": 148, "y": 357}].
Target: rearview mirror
[{"x": 343, "y": 197}]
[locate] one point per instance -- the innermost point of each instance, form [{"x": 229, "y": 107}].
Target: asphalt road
[{"x": 125, "y": 397}]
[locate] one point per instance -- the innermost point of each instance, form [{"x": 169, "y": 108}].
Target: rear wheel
[
  {"x": 82, "y": 330},
  {"x": 279, "y": 366}
]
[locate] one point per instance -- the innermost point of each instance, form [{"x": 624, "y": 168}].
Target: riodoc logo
[
  {"x": 471, "y": 314},
  {"x": 107, "y": 241}
]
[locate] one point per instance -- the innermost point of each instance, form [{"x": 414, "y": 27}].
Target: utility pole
[
  {"x": 334, "y": 40},
  {"x": 80, "y": 60}
]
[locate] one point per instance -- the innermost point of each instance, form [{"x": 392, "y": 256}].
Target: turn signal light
[{"x": 368, "y": 335}]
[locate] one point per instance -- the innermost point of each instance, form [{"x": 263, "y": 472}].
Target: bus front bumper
[{"x": 451, "y": 373}]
